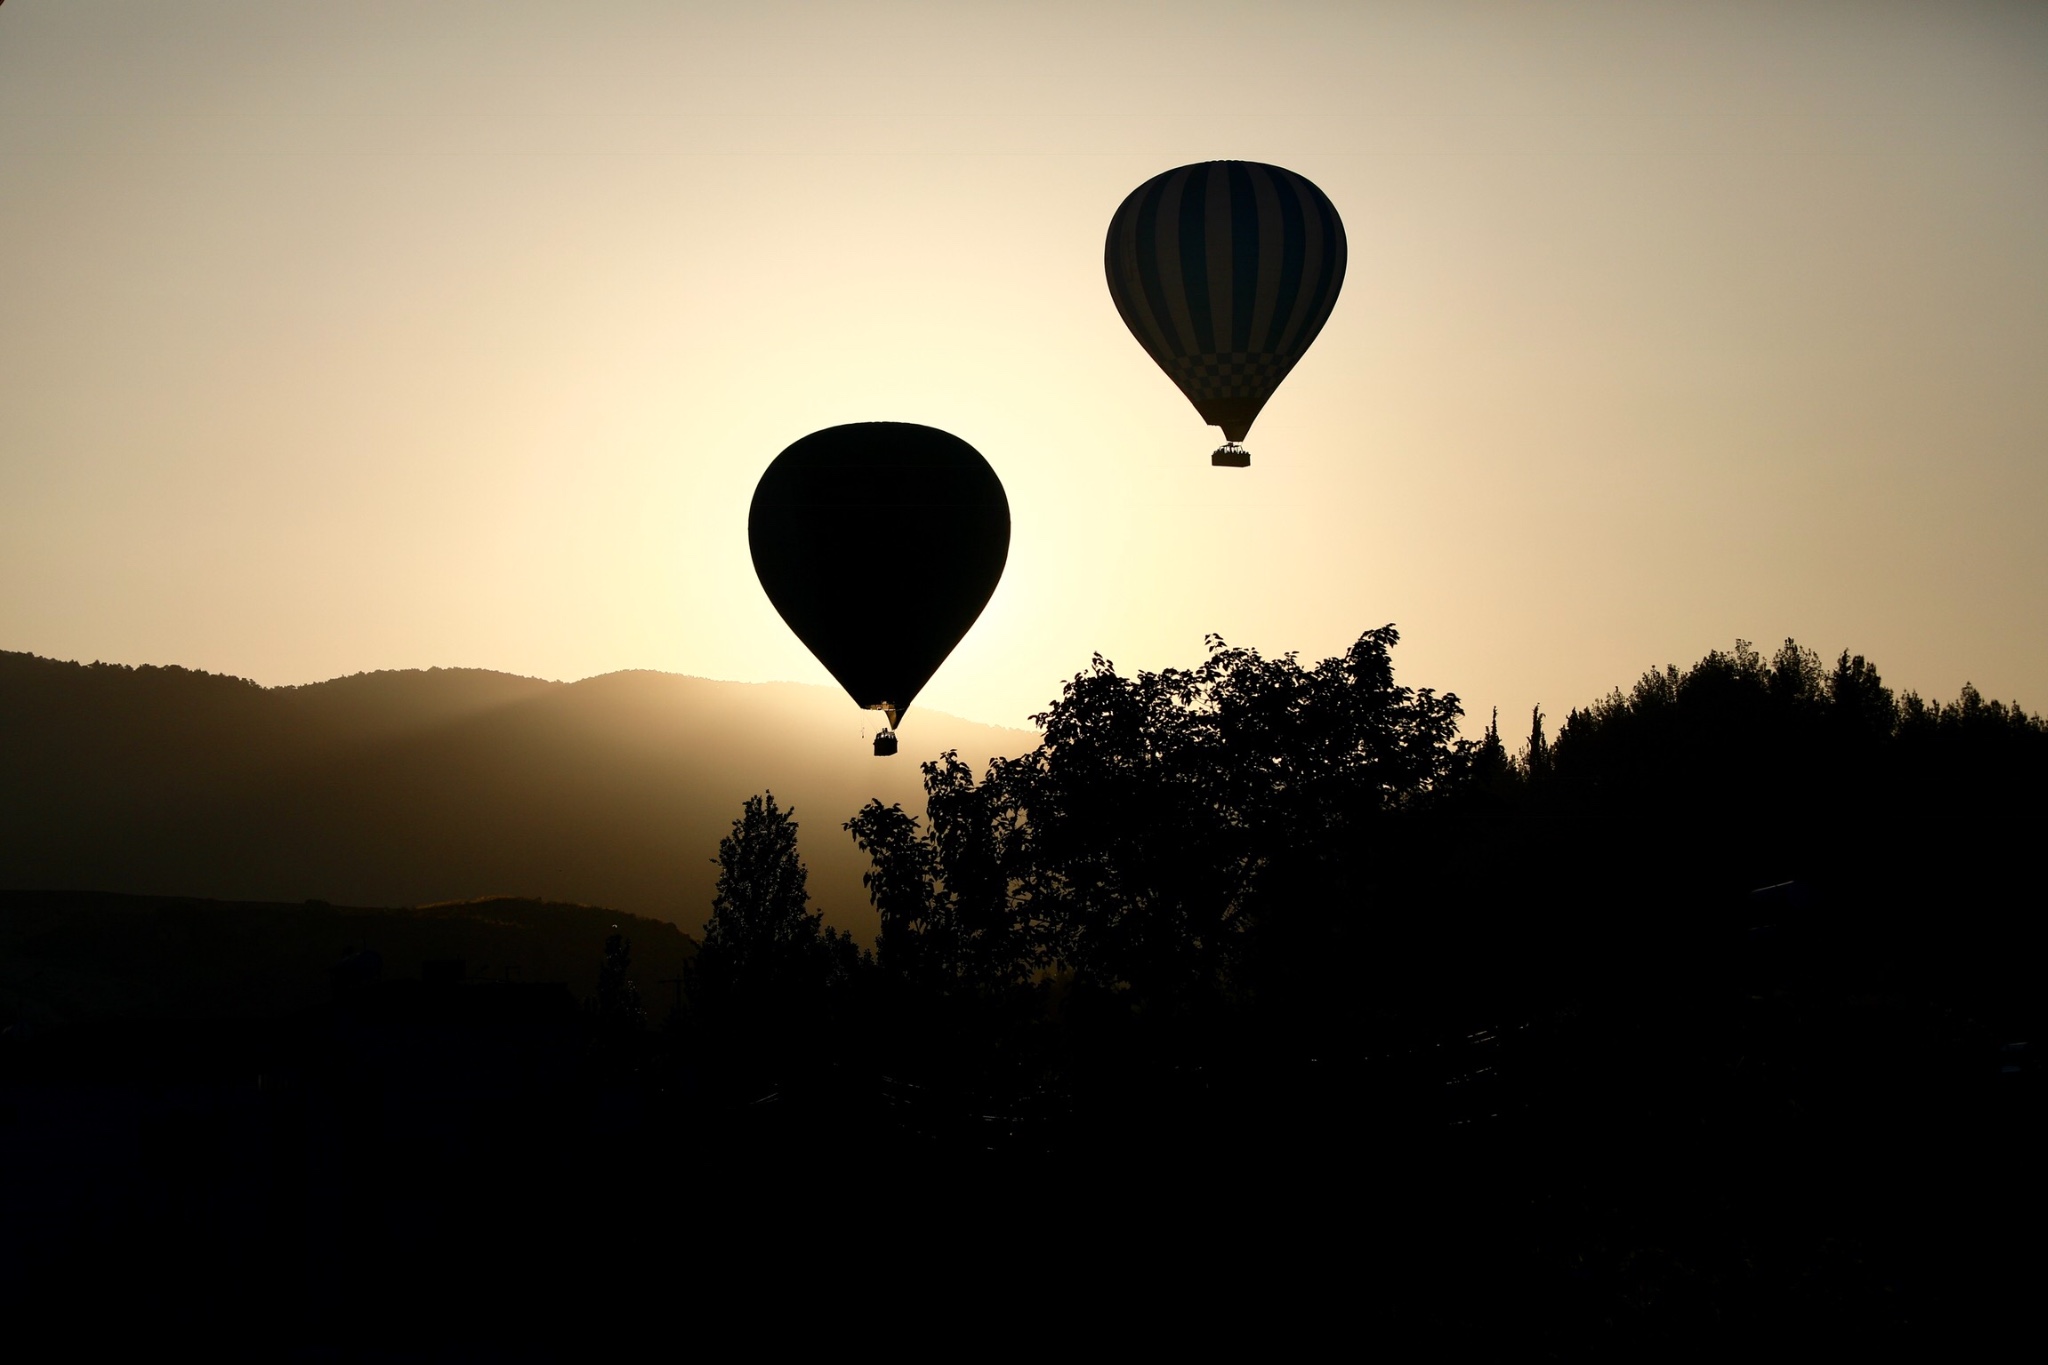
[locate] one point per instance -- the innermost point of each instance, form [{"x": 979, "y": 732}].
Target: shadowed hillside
[
  {"x": 412, "y": 787},
  {"x": 84, "y": 955}
]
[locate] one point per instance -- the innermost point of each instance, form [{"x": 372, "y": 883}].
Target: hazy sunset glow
[{"x": 386, "y": 336}]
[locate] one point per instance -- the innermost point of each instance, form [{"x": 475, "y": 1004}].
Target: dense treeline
[
  {"x": 1684, "y": 1023},
  {"x": 1315, "y": 848}
]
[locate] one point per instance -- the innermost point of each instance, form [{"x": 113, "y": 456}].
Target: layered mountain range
[{"x": 407, "y": 788}]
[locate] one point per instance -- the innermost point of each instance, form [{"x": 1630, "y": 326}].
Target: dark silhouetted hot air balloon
[
  {"x": 880, "y": 543},
  {"x": 1225, "y": 271}
]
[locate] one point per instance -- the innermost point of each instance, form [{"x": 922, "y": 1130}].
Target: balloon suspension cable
[{"x": 1231, "y": 455}]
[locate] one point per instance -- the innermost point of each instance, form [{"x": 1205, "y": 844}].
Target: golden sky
[{"x": 385, "y": 335}]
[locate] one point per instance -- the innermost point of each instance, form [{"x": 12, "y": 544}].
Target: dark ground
[{"x": 1766, "y": 1147}]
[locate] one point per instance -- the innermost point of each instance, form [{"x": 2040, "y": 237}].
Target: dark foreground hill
[
  {"x": 413, "y": 787},
  {"x": 69, "y": 956}
]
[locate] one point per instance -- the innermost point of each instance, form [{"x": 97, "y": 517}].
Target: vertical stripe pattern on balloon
[{"x": 1225, "y": 271}]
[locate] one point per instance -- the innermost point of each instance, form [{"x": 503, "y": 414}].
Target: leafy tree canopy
[{"x": 1132, "y": 847}]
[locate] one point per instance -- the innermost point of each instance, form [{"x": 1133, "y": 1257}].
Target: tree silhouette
[
  {"x": 946, "y": 895},
  {"x": 761, "y": 924},
  {"x": 767, "y": 978},
  {"x": 1162, "y": 818},
  {"x": 1742, "y": 771},
  {"x": 1536, "y": 753},
  {"x": 618, "y": 1001}
]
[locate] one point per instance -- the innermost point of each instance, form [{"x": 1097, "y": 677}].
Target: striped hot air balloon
[{"x": 1225, "y": 271}]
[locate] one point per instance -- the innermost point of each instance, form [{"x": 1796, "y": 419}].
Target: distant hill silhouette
[{"x": 404, "y": 788}]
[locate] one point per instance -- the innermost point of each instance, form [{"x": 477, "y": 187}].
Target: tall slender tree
[{"x": 761, "y": 924}]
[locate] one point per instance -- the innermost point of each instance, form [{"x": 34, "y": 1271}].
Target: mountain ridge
[{"x": 411, "y": 786}]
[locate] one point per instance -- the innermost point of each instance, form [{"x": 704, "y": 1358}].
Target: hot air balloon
[
  {"x": 1225, "y": 271},
  {"x": 880, "y": 543}
]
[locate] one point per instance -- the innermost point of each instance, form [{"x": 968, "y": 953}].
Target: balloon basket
[
  {"x": 885, "y": 744},
  {"x": 1231, "y": 455}
]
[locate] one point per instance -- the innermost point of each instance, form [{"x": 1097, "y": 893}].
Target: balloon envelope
[
  {"x": 880, "y": 543},
  {"x": 1225, "y": 271}
]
